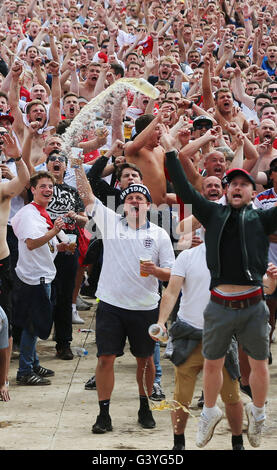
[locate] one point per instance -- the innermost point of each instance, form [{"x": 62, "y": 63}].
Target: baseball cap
[
  {"x": 6, "y": 116},
  {"x": 230, "y": 174},
  {"x": 202, "y": 119},
  {"x": 135, "y": 188}
]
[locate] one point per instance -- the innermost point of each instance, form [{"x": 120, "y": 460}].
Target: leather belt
[{"x": 237, "y": 304}]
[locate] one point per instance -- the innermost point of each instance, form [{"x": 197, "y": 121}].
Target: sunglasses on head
[
  {"x": 200, "y": 125},
  {"x": 53, "y": 158}
]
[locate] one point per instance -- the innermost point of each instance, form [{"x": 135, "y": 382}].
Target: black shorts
[
  {"x": 6, "y": 288},
  {"x": 114, "y": 325}
]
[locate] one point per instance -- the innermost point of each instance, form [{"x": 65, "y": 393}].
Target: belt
[{"x": 237, "y": 304}]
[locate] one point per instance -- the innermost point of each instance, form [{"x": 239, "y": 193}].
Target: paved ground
[{"x": 60, "y": 416}]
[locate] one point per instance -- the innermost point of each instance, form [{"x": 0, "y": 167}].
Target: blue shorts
[{"x": 114, "y": 325}]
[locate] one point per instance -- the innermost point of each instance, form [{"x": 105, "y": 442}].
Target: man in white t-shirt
[
  {"x": 35, "y": 270},
  {"x": 128, "y": 293}
]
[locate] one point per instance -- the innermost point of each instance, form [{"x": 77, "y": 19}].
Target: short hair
[
  {"x": 264, "y": 106},
  {"x": 4, "y": 95},
  {"x": 263, "y": 95},
  {"x": 117, "y": 68},
  {"x": 62, "y": 126},
  {"x": 221, "y": 90},
  {"x": 132, "y": 63},
  {"x": 170, "y": 102},
  {"x": 142, "y": 122},
  {"x": 122, "y": 167},
  {"x": 163, "y": 83},
  {"x": 33, "y": 103},
  {"x": 70, "y": 93},
  {"x": 34, "y": 179},
  {"x": 57, "y": 152}
]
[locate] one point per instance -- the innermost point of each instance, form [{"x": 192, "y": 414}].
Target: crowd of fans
[{"x": 213, "y": 65}]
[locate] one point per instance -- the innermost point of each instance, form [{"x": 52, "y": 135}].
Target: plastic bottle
[
  {"x": 157, "y": 332},
  {"x": 79, "y": 351}
]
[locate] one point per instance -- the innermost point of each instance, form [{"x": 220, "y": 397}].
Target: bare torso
[
  {"x": 151, "y": 164},
  {"x": 229, "y": 288},
  {"x": 86, "y": 92}
]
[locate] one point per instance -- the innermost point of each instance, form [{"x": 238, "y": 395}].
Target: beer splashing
[{"x": 164, "y": 405}]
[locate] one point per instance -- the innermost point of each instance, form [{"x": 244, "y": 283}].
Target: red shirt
[{"x": 257, "y": 141}]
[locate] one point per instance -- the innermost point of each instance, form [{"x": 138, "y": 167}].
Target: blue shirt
[{"x": 266, "y": 66}]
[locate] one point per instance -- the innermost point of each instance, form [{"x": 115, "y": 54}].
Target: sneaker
[
  {"x": 76, "y": 319},
  {"x": 145, "y": 419},
  {"x": 254, "y": 431},
  {"x": 206, "y": 427},
  {"x": 157, "y": 393},
  {"x": 91, "y": 384},
  {"x": 200, "y": 402},
  {"x": 81, "y": 304},
  {"x": 65, "y": 353},
  {"x": 32, "y": 379},
  {"x": 103, "y": 424},
  {"x": 43, "y": 372},
  {"x": 245, "y": 389}
]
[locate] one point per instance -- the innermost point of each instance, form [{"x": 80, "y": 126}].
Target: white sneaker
[
  {"x": 76, "y": 318},
  {"x": 254, "y": 431},
  {"x": 206, "y": 427}
]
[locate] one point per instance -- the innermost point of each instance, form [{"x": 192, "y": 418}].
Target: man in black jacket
[{"x": 237, "y": 251}]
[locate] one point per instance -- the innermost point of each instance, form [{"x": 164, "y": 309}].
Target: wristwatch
[{"x": 191, "y": 104}]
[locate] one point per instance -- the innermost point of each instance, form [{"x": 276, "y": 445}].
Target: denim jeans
[
  {"x": 157, "y": 363},
  {"x": 28, "y": 358}
]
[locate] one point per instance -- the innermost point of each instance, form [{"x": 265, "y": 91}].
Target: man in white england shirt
[{"x": 128, "y": 301}]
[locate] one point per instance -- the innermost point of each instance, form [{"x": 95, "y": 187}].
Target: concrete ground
[{"x": 60, "y": 416}]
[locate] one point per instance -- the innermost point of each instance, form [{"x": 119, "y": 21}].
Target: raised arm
[
  {"x": 55, "y": 108},
  {"x": 16, "y": 185}
]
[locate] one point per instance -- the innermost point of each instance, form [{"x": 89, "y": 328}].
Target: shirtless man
[
  {"x": 35, "y": 111},
  {"x": 225, "y": 112},
  {"x": 267, "y": 133},
  {"x": 8, "y": 190},
  {"x": 87, "y": 88},
  {"x": 146, "y": 153}
]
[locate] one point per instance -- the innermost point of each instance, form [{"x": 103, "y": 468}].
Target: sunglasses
[
  {"x": 53, "y": 158},
  {"x": 271, "y": 90},
  {"x": 89, "y": 47},
  {"x": 201, "y": 125},
  {"x": 105, "y": 46}
]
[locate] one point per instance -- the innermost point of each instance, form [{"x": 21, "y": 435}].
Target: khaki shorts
[{"x": 186, "y": 375}]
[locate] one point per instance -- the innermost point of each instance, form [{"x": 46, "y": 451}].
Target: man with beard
[
  {"x": 236, "y": 240},
  {"x": 164, "y": 71},
  {"x": 35, "y": 111}
]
